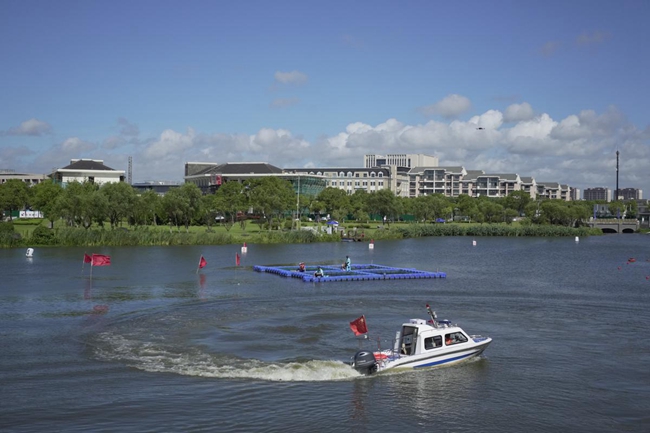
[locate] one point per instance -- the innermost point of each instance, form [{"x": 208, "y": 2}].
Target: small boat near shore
[{"x": 421, "y": 344}]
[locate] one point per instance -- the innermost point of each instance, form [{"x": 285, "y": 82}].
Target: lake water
[{"x": 148, "y": 344}]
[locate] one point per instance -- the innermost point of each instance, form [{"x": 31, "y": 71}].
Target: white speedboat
[{"x": 422, "y": 344}]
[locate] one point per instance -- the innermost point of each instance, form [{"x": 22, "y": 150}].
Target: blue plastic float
[{"x": 358, "y": 273}]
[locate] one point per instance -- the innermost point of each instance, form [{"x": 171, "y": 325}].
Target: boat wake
[{"x": 155, "y": 357}]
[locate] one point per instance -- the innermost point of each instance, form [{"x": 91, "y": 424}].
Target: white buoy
[
  {"x": 244, "y": 248},
  {"x": 30, "y": 252},
  {"x": 474, "y": 243},
  {"x": 577, "y": 239},
  {"x": 371, "y": 245}
]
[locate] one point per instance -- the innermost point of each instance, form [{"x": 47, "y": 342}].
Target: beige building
[{"x": 29, "y": 178}]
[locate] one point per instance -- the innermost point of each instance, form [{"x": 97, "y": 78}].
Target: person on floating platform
[
  {"x": 301, "y": 267},
  {"x": 319, "y": 272}
]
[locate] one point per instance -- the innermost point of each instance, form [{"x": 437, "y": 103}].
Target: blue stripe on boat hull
[{"x": 445, "y": 361}]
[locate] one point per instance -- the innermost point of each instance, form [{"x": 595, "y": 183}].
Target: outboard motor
[{"x": 364, "y": 362}]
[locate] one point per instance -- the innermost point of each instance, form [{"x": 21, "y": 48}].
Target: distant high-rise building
[
  {"x": 630, "y": 194},
  {"x": 400, "y": 160},
  {"x": 599, "y": 193}
]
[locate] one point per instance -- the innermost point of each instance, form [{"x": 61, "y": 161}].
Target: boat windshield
[{"x": 455, "y": 338}]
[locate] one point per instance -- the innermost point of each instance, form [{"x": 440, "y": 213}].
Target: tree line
[{"x": 273, "y": 200}]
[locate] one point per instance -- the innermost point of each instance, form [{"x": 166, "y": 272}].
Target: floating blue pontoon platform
[{"x": 358, "y": 273}]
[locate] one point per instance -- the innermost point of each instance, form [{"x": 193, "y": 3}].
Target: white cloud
[
  {"x": 170, "y": 142},
  {"x": 33, "y": 127},
  {"x": 75, "y": 144},
  {"x": 517, "y": 112},
  {"x": 59, "y": 155},
  {"x": 578, "y": 149},
  {"x": 449, "y": 107},
  {"x": 293, "y": 77},
  {"x": 491, "y": 119}
]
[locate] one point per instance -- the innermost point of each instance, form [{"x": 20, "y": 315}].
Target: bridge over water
[{"x": 615, "y": 225}]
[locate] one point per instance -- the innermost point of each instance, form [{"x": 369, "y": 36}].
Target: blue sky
[{"x": 558, "y": 86}]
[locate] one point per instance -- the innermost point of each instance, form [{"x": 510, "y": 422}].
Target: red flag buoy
[{"x": 237, "y": 259}]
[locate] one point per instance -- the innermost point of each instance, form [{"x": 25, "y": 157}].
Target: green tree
[
  {"x": 385, "y": 204},
  {"x": 517, "y": 200},
  {"x": 100, "y": 208},
  {"x": 232, "y": 199},
  {"x": 336, "y": 201},
  {"x": 145, "y": 208},
  {"x": 617, "y": 209},
  {"x": 468, "y": 207},
  {"x": 14, "y": 196},
  {"x": 121, "y": 197},
  {"x": 181, "y": 205},
  {"x": 492, "y": 211},
  {"x": 74, "y": 204},
  {"x": 44, "y": 199},
  {"x": 273, "y": 196}
]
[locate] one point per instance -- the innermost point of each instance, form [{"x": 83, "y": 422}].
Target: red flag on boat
[
  {"x": 87, "y": 258},
  {"x": 100, "y": 260},
  {"x": 202, "y": 263},
  {"x": 358, "y": 326}
]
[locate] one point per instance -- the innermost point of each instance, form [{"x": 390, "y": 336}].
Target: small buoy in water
[
  {"x": 474, "y": 243},
  {"x": 30, "y": 252},
  {"x": 244, "y": 248},
  {"x": 577, "y": 239},
  {"x": 371, "y": 245}
]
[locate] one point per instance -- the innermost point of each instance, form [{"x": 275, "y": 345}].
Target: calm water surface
[{"x": 149, "y": 345}]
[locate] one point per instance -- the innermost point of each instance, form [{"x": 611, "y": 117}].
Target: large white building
[
  {"x": 87, "y": 170},
  {"x": 409, "y": 160}
]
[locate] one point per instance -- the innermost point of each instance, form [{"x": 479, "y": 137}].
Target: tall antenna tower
[
  {"x": 616, "y": 196},
  {"x": 130, "y": 175}
]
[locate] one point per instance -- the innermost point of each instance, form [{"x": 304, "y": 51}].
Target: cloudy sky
[{"x": 558, "y": 86}]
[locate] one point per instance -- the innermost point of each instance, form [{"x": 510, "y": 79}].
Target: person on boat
[
  {"x": 301, "y": 267},
  {"x": 448, "y": 340},
  {"x": 319, "y": 272}
]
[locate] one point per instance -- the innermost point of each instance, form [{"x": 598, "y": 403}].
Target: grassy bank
[{"x": 35, "y": 234}]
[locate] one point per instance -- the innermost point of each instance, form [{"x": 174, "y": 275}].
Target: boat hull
[{"x": 440, "y": 358}]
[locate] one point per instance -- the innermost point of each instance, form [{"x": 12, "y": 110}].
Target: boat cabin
[{"x": 418, "y": 336}]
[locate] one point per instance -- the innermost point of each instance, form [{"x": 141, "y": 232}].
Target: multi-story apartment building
[
  {"x": 496, "y": 185},
  {"x": 599, "y": 193},
  {"x": 554, "y": 191},
  {"x": 529, "y": 185},
  {"x": 630, "y": 194},
  {"x": 435, "y": 180}
]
